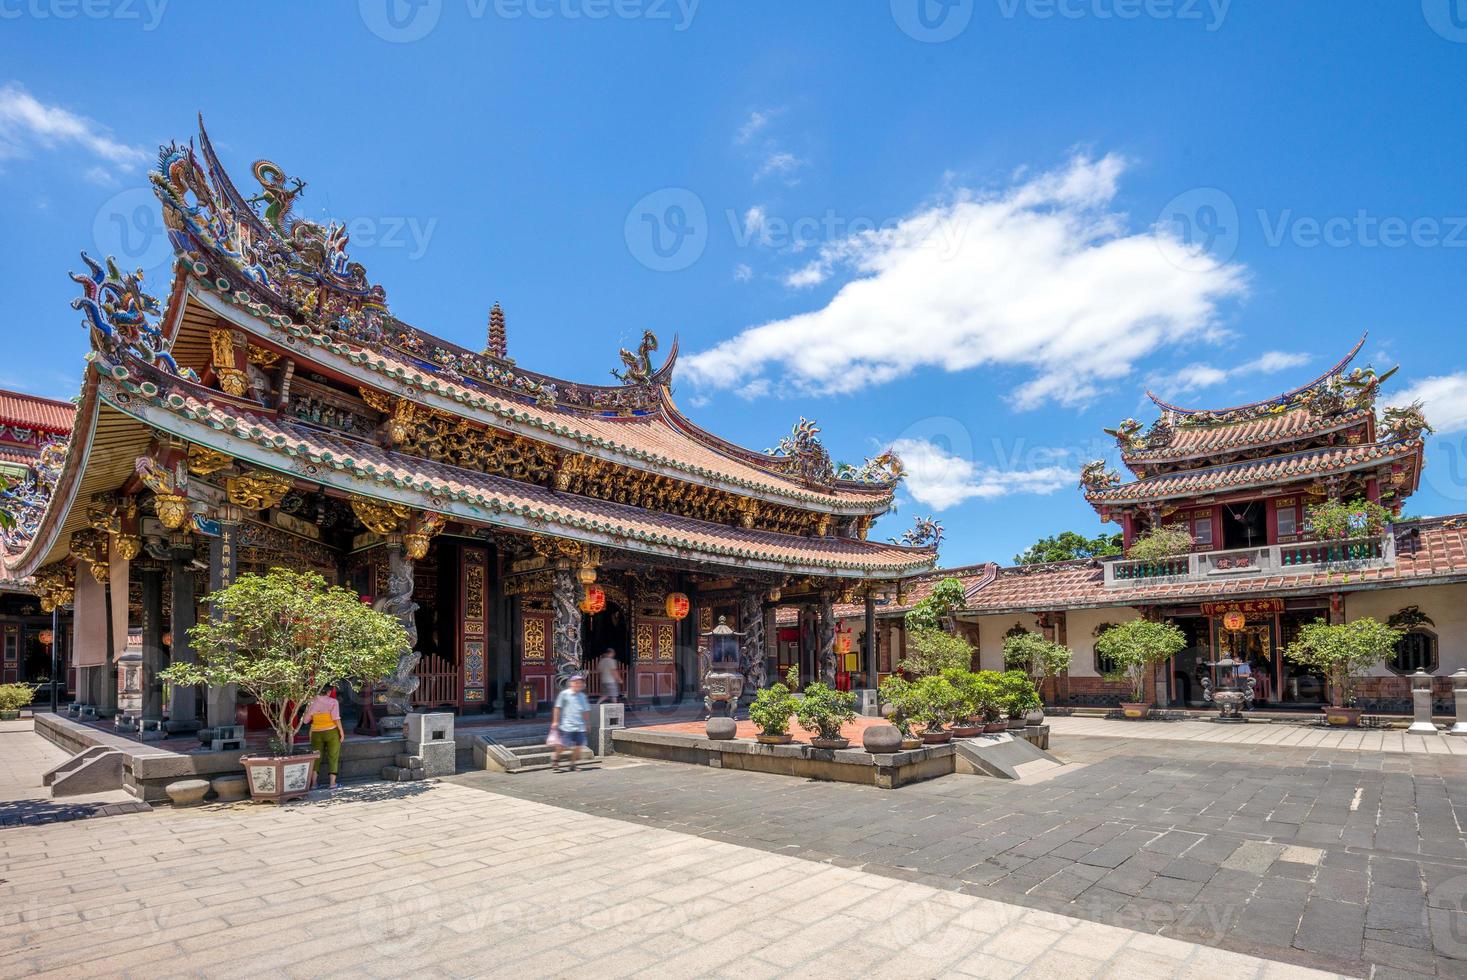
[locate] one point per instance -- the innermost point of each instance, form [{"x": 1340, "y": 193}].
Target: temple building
[
  {"x": 271, "y": 410},
  {"x": 1240, "y": 482},
  {"x": 33, "y": 437}
]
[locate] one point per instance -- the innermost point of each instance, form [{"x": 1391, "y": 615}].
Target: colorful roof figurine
[{"x": 276, "y": 350}]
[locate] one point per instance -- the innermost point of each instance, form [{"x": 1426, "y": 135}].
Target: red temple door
[
  {"x": 654, "y": 673},
  {"x": 537, "y": 663},
  {"x": 474, "y": 638}
]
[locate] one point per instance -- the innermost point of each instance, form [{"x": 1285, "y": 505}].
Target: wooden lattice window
[{"x": 1417, "y": 650}]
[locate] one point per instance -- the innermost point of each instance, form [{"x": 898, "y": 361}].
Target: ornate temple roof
[
  {"x": 1261, "y": 432},
  {"x": 1254, "y": 473},
  {"x": 24, "y": 411}
]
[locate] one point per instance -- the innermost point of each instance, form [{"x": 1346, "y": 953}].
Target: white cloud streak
[
  {"x": 1041, "y": 276},
  {"x": 1443, "y": 399},
  {"x": 939, "y": 479},
  {"x": 1197, "y": 376},
  {"x": 26, "y": 123}
]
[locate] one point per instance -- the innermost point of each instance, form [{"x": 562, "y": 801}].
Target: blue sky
[{"x": 978, "y": 229}]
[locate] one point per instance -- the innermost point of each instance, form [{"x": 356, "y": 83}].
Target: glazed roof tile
[
  {"x": 1257, "y": 472},
  {"x": 1190, "y": 441},
  {"x": 32, "y": 412},
  {"x": 1425, "y": 550},
  {"x": 430, "y": 483}
]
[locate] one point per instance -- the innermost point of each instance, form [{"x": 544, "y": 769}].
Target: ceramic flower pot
[
  {"x": 908, "y": 744},
  {"x": 966, "y": 731},
  {"x": 1135, "y": 709},
  {"x": 936, "y": 738},
  {"x": 830, "y": 743},
  {"x": 994, "y": 727},
  {"x": 1014, "y": 724},
  {"x": 277, "y": 778},
  {"x": 784, "y": 739},
  {"x": 1343, "y": 717}
]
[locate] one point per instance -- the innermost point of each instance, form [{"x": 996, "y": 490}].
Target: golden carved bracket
[{"x": 257, "y": 490}]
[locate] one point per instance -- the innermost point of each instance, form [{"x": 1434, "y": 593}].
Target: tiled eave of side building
[
  {"x": 1262, "y": 473},
  {"x": 130, "y": 404},
  {"x": 1428, "y": 552},
  {"x": 650, "y": 443}
]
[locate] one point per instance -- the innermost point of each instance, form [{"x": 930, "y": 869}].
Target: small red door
[
  {"x": 655, "y": 647},
  {"x": 537, "y": 665}
]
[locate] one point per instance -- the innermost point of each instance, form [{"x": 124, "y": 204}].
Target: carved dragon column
[
  {"x": 220, "y": 702},
  {"x": 398, "y": 603},
  {"x": 752, "y": 650},
  {"x": 565, "y": 598},
  {"x": 825, "y": 619}
]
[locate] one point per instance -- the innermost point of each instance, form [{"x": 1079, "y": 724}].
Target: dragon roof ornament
[
  {"x": 1403, "y": 424},
  {"x": 27, "y": 500},
  {"x": 1095, "y": 476},
  {"x": 120, "y": 316},
  {"x": 803, "y": 453},
  {"x": 926, "y": 532},
  {"x": 885, "y": 469}
]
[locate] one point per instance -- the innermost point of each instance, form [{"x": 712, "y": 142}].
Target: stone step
[
  {"x": 585, "y": 763},
  {"x": 538, "y": 748}
]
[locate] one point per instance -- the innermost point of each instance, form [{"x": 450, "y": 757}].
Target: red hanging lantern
[
  {"x": 1234, "y": 620},
  {"x": 594, "y": 601},
  {"x": 677, "y": 605}
]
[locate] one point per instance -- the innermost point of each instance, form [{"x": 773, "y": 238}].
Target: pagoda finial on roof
[{"x": 498, "y": 343}]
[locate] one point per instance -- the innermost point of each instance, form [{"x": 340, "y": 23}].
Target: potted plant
[
  {"x": 966, "y": 683},
  {"x": 1135, "y": 648},
  {"x": 1039, "y": 659},
  {"x": 1342, "y": 652},
  {"x": 988, "y": 697},
  {"x": 282, "y": 637},
  {"x": 898, "y": 702},
  {"x": 823, "y": 711},
  {"x": 13, "y": 697},
  {"x": 1017, "y": 696},
  {"x": 771, "y": 710},
  {"x": 938, "y": 704}
]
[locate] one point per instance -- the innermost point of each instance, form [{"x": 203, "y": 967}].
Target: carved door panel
[
  {"x": 474, "y": 633},
  {"x": 654, "y": 644},
  {"x": 537, "y": 663}
]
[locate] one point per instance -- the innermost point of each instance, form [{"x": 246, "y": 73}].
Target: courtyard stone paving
[
  {"x": 1351, "y": 861},
  {"x": 1257, "y": 733},
  {"x": 395, "y": 880}
]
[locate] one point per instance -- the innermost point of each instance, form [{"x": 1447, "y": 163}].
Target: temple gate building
[
  {"x": 1240, "y": 481},
  {"x": 271, "y": 410}
]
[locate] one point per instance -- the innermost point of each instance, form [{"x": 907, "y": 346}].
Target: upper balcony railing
[{"x": 1275, "y": 559}]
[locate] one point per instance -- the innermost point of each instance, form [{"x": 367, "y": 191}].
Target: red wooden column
[{"x": 474, "y": 628}]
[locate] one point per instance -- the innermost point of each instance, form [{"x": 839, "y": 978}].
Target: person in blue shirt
[{"x": 568, "y": 718}]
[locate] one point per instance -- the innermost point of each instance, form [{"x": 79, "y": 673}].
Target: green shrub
[
  {"x": 1358, "y": 518},
  {"x": 1170, "y": 541},
  {"x": 896, "y": 692},
  {"x": 1135, "y": 647},
  {"x": 946, "y": 598},
  {"x": 1016, "y": 693},
  {"x": 823, "y": 710},
  {"x": 13, "y": 697},
  {"x": 1037, "y": 657},
  {"x": 938, "y": 704},
  {"x": 773, "y": 705},
  {"x": 932, "y": 651},
  {"x": 1343, "y": 651}
]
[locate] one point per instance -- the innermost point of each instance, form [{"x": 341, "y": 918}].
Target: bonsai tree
[
  {"x": 823, "y": 710},
  {"x": 897, "y": 692},
  {"x": 1037, "y": 657},
  {"x": 936, "y": 610},
  {"x": 1016, "y": 694},
  {"x": 773, "y": 705},
  {"x": 1135, "y": 648},
  {"x": 285, "y": 635},
  {"x": 932, "y": 651},
  {"x": 1360, "y": 518},
  {"x": 938, "y": 704},
  {"x": 1169, "y": 541},
  {"x": 1342, "y": 652}
]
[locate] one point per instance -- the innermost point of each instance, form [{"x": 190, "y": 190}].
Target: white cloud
[
  {"x": 1042, "y": 276},
  {"x": 755, "y": 124},
  {"x": 1196, "y": 376},
  {"x": 939, "y": 479},
  {"x": 1443, "y": 399},
  {"x": 742, "y": 273},
  {"x": 755, "y": 219},
  {"x": 811, "y": 275},
  {"x": 781, "y": 163},
  {"x": 27, "y": 123}
]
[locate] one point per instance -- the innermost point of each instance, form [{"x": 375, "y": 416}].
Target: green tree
[
  {"x": 1343, "y": 651},
  {"x": 933, "y": 612},
  {"x": 1135, "y": 647},
  {"x": 1068, "y": 545},
  {"x": 284, "y": 636},
  {"x": 1037, "y": 657},
  {"x": 1170, "y": 541},
  {"x": 931, "y": 651}
]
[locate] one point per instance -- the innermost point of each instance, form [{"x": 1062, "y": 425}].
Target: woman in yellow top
[{"x": 326, "y": 732}]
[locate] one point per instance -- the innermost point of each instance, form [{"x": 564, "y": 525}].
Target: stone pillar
[
  {"x": 565, "y": 592},
  {"x": 825, "y": 618},
  {"x": 220, "y": 702},
  {"x": 871, "y": 640},
  {"x": 398, "y": 602},
  {"x": 751, "y": 647},
  {"x": 1421, "y": 704},
  {"x": 1459, "y": 692},
  {"x": 152, "y": 579},
  {"x": 183, "y": 700},
  {"x": 105, "y": 679}
]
